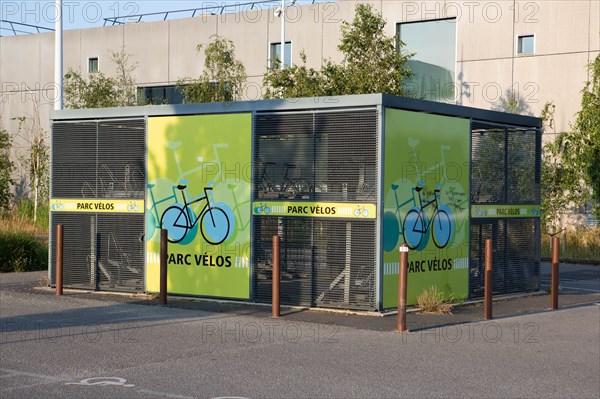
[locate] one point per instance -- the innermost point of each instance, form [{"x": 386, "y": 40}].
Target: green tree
[
  {"x": 6, "y": 169},
  {"x": 587, "y": 124},
  {"x": 571, "y": 162},
  {"x": 223, "y": 77},
  {"x": 371, "y": 64},
  {"x": 37, "y": 159},
  {"x": 563, "y": 185},
  {"x": 99, "y": 90},
  {"x": 124, "y": 82}
]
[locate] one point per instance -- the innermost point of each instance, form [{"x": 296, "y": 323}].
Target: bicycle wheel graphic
[
  {"x": 150, "y": 225},
  {"x": 414, "y": 229},
  {"x": 214, "y": 226},
  {"x": 176, "y": 222},
  {"x": 391, "y": 231},
  {"x": 442, "y": 228}
]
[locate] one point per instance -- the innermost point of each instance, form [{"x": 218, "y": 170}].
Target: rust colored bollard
[
  {"x": 163, "y": 266},
  {"x": 59, "y": 259},
  {"x": 402, "y": 280},
  {"x": 276, "y": 275},
  {"x": 554, "y": 286},
  {"x": 487, "y": 308}
]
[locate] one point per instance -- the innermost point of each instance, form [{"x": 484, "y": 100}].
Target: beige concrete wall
[{"x": 567, "y": 38}]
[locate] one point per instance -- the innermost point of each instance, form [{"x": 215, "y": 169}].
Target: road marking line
[
  {"x": 580, "y": 289},
  {"x": 570, "y": 280},
  {"x": 41, "y": 376},
  {"x": 164, "y": 394}
]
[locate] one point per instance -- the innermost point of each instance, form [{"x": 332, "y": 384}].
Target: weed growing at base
[{"x": 433, "y": 301}]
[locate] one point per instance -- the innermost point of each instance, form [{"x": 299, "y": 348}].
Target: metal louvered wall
[
  {"x": 316, "y": 157},
  {"x": 102, "y": 159},
  {"x": 506, "y": 164},
  {"x": 505, "y": 170},
  {"x": 516, "y": 254}
]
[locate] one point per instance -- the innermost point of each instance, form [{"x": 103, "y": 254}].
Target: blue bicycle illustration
[
  {"x": 417, "y": 222},
  {"x": 153, "y": 216},
  {"x": 263, "y": 208},
  {"x": 361, "y": 211},
  {"x": 181, "y": 221}
]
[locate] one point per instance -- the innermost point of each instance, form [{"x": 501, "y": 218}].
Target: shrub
[
  {"x": 22, "y": 252},
  {"x": 6, "y": 169},
  {"x": 432, "y": 301}
]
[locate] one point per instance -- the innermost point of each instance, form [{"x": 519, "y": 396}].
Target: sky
[{"x": 80, "y": 14}]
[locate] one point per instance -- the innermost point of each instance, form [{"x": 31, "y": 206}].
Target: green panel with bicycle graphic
[
  {"x": 199, "y": 176},
  {"x": 426, "y": 201}
]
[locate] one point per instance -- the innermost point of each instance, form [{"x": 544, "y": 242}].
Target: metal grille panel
[
  {"x": 516, "y": 256},
  {"x": 523, "y": 172},
  {"x": 322, "y": 157},
  {"x": 78, "y": 264},
  {"x": 505, "y": 164},
  {"x": 316, "y": 156},
  {"x": 121, "y": 159},
  {"x": 505, "y": 169},
  {"x": 74, "y": 160},
  {"x": 120, "y": 249},
  {"x": 324, "y": 263},
  {"x": 100, "y": 159}
]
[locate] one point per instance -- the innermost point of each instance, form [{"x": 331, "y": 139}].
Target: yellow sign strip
[
  {"x": 340, "y": 210},
  {"x": 96, "y": 205},
  {"x": 505, "y": 211}
]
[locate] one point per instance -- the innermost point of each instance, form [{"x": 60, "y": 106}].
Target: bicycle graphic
[
  {"x": 361, "y": 211},
  {"x": 427, "y": 214},
  {"x": 263, "y": 208},
  {"x": 152, "y": 215},
  {"x": 417, "y": 223},
  {"x": 182, "y": 222}
]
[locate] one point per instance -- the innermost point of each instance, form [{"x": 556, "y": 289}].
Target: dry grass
[
  {"x": 432, "y": 301},
  {"x": 581, "y": 244},
  {"x": 20, "y": 219}
]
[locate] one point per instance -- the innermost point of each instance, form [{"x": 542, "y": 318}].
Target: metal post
[
  {"x": 282, "y": 34},
  {"x": 555, "y": 260},
  {"x": 59, "y": 259},
  {"x": 487, "y": 309},
  {"x": 275, "y": 296},
  {"x": 58, "y": 56},
  {"x": 163, "y": 266},
  {"x": 402, "y": 279}
]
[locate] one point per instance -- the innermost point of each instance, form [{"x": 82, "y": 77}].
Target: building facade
[{"x": 501, "y": 55}]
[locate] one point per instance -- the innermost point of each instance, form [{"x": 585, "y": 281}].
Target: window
[
  {"x": 434, "y": 62},
  {"x": 160, "y": 95},
  {"x": 93, "y": 65},
  {"x": 526, "y": 44},
  {"x": 275, "y": 54}
]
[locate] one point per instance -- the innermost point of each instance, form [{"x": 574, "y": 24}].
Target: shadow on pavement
[{"x": 117, "y": 313}]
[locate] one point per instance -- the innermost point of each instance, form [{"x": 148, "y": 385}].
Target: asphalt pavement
[{"x": 104, "y": 346}]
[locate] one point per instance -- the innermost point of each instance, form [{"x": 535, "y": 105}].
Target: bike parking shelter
[{"x": 342, "y": 180}]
